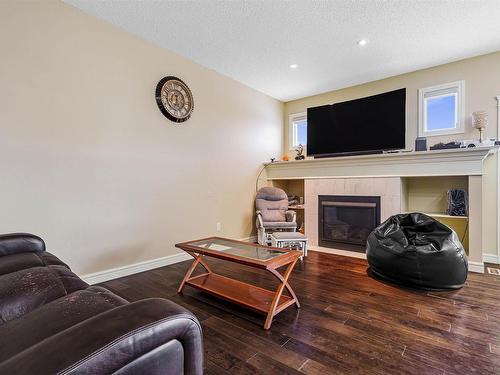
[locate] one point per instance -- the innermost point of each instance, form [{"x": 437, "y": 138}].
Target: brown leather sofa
[{"x": 52, "y": 322}]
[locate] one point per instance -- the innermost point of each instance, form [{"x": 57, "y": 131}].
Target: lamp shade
[{"x": 479, "y": 119}]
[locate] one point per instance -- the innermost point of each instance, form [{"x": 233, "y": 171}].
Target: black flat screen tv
[{"x": 367, "y": 125}]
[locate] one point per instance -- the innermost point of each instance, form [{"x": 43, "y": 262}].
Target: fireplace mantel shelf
[{"x": 453, "y": 162}]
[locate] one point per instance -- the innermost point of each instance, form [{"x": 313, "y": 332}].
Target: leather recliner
[{"x": 52, "y": 322}]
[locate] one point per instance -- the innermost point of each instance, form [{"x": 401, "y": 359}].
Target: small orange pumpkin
[{"x": 285, "y": 158}]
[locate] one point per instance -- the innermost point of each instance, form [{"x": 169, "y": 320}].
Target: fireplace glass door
[{"x": 346, "y": 221}]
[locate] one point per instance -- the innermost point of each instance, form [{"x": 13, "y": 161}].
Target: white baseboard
[
  {"x": 491, "y": 258},
  {"x": 477, "y": 267},
  {"x": 115, "y": 273},
  {"x": 345, "y": 253}
]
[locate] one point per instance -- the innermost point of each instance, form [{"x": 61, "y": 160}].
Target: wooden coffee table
[{"x": 259, "y": 299}]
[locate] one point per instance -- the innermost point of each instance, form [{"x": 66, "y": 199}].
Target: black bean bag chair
[{"x": 417, "y": 251}]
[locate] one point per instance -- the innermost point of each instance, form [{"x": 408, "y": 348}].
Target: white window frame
[
  {"x": 457, "y": 88},
  {"x": 292, "y": 128}
]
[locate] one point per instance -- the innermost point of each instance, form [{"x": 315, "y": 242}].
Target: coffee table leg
[
  {"x": 287, "y": 286},
  {"x": 197, "y": 260},
  {"x": 284, "y": 284}
]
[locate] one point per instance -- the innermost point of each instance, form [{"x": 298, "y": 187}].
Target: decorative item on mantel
[
  {"x": 285, "y": 157},
  {"x": 421, "y": 144},
  {"x": 480, "y": 122},
  {"x": 300, "y": 152}
]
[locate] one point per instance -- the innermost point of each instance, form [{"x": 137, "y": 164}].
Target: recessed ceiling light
[
  {"x": 294, "y": 66},
  {"x": 362, "y": 42}
]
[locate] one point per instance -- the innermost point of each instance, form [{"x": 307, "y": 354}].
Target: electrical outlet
[{"x": 218, "y": 227}]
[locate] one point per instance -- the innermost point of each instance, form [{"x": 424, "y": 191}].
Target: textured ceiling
[{"x": 254, "y": 42}]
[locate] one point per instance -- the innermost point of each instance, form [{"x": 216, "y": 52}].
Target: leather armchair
[
  {"x": 54, "y": 322},
  {"x": 272, "y": 213}
]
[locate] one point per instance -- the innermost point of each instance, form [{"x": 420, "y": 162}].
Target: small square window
[
  {"x": 441, "y": 109},
  {"x": 298, "y": 129}
]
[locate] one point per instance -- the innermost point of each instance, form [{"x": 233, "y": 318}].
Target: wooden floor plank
[{"x": 349, "y": 323}]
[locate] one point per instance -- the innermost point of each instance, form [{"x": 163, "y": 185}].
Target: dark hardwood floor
[{"x": 349, "y": 323}]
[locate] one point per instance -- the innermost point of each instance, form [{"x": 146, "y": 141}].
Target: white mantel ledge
[{"x": 452, "y": 162}]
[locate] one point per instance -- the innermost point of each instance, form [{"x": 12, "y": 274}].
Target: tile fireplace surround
[{"x": 388, "y": 189}]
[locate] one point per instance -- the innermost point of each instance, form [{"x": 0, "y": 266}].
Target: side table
[{"x": 290, "y": 240}]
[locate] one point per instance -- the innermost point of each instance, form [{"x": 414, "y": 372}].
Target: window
[
  {"x": 441, "y": 109},
  {"x": 298, "y": 129}
]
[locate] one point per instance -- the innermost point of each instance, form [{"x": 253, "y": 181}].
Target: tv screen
[{"x": 372, "y": 124}]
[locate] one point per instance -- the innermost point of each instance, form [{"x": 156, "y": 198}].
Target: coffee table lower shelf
[
  {"x": 247, "y": 295},
  {"x": 264, "y": 301}
]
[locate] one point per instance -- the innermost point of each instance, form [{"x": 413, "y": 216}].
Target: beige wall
[
  {"x": 482, "y": 85},
  {"x": 87, "y": 160}
]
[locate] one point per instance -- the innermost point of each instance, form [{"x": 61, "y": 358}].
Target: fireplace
[{"x": 344, "y": 222}]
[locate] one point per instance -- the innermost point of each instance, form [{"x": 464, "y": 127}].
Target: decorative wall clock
[{"x": 174, "y": 99}]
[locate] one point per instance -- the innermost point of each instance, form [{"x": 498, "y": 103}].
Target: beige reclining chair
[{"x": 273, "y": 214}]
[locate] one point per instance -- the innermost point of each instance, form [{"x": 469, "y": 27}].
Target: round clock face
[{"x": 174, "y": 99}]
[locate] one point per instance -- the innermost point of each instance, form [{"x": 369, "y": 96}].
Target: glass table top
[{"x": 245, "y": 250}]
